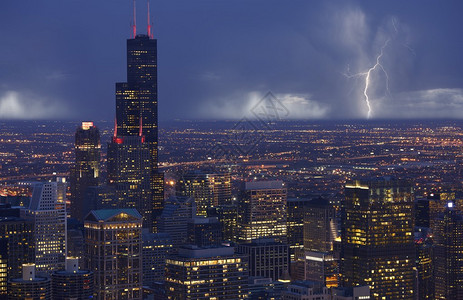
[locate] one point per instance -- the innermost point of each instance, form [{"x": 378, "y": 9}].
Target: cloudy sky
[{"x": 218, "y": 58}]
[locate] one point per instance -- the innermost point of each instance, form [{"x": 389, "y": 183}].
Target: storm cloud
[{"x": 218, "y": 58}]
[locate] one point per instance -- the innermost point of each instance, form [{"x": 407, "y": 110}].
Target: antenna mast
[
  {"x": 150, "y": 34},
  {"x": 134, "y": 25}
]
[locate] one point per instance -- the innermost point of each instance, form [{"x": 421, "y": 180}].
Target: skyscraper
[
  {"x": 209, "y": 189},
  {"x": 377, "y": 237},
  {"x": 448, "y": 254},
  {"x": 16, "y": 245},
  {"x": 48, "y": 212},
  {"x": 86, "y": 171},
  {"x": 207, "y": 273},
  {"x": 113, "y": 240},
  {"x": 29, "y": 286},
  {"x": 72, "y": 283},
  {"x": 262, "y": 211},
  {"x": 137, "y": 117}
]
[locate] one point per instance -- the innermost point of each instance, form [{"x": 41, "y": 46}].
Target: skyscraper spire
[
  {"x": 150, "y": 34},
  {"x": 134, "y": 25}
]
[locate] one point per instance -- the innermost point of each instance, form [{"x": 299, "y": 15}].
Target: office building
[
  {"x": 137, "y": 115},
  {"x": 156, "y": 248},
  {"x": 86, "y": 170},
  {"x": 267, "y": 258},
  {"x": 448, "y": 254},
  {"x": 209, "y": 189},
  {"x": 16, "y": 245},
  {"x": 29, "y": 286},
  {"x": 72, "y": 283},
  {"x": 174, "y": 219},
  {"x": 47, "y": 211},
  {"x": 206, "y": 273},
  {"x": 129, "y": 173},
  {"x": 306, "y": 290},
  {"x": 351, "y": 293},
  {"x": 295, "y": 223},
  {"x": 424, "y": 265},
  {"x": 319, "y": 226},
  {"x": 262, "y": 211},
  {"x": 203, "y": 232},
  {"x": 113, "y": 240},
  {"x": 378, "y": 246},
  {"x": 227, "y": 215}
]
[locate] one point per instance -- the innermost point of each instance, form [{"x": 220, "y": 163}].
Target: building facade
[
  {"x": 262, "y": 211},
  {"x": 378, "y": 247},
  {"x": 113, "y": 240},
  {"x": 207, "y": 188},
  {"x": 72, "y": 283},
  {"x": 206, "y": 273},
  {"x": 47, "y": 210},
  {"x": 86, "y": 170}
]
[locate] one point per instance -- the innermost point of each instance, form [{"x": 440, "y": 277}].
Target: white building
[{"x": 47, "y": 210}]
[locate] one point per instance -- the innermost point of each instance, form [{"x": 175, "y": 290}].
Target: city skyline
[{"x": 313, "y": 56}]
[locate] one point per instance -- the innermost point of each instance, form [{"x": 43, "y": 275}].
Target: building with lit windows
[
  {"x": 47, "y": 210},
  {"x": 266, "y": 258},
  {"x": 156, "y": 248},
  {"x": 207, "y": 188},
  {"x": 175, "y": 217},
  {"x": 129, "y": 171},
  {"x": 227, "y": 215},
  {"x": 448, "y": 254},
  {"x": 424, "y": 265},
  {"x": 29, "y": 286},
  {"x": 295, "y": 223},
  {"x": 319, "y": 226},
  {"x": 113, "y": 240},
  {"x": 306, "y": 290},
  {"x": 86, "y": 170},
  {"x": 207, "y": 273},
  {"x": 204, "y": 232},
  {"x": 377, "y": 247},
  {"x": 137, "y": 112},
  {"x": 16, "y": 245},
  {"x": 262, "y": 211},
  {"x": 72, "y": 283}
]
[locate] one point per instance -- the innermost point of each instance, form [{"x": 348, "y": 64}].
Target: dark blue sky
[{"x": 217, "y": 58}]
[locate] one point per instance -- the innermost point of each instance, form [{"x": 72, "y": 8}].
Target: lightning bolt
[{"x": 367, "y": 76}]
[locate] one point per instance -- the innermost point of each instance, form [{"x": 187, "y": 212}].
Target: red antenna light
[
  {"x": 140, "y": 130},
  {"x": 115, "y": 128},
  {"x": 150, "y": 35},
  {"x": 134, "y": 25}
]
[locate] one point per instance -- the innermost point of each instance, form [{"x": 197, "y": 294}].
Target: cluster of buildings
[{"x": 119, "y": 238}]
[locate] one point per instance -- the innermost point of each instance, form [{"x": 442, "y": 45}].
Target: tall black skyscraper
[
  {"x": 86, "y": 171},
  {"x": 137, "y": 116}
]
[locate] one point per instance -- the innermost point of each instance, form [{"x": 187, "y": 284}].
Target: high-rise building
[
  {"x": 174, "y": 219},
  {"x": 156, "y": 248},
  {"x": 266, "y": 258},
  {"x": 86, "y": 170},
  {"x": 306, "y": 290},
  {"x": 72, "y": 283},
  {"x": 319, "y": 226},
  {"x": 137, "y": 114},
  {"x": 448, "y": 254},
  {"x": 209, "y": 189},
  {"x": 227, "y": 215},
  {"x": 206, "y": 273},
  {"x": 16, "y": 245},
  {"x": 204, "y": 232},
  {"x": 378, "y": 246},
  {"x": 296, "y": 212},
  {"x": 424, "y": 265},
  {"x": 262, "y": 211},
  {"x": 47, "y": 210},
  {"x": 113, "y": 240},
  {"x": 129, "y": 171},
  {"x": 29, "y": 286}
]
